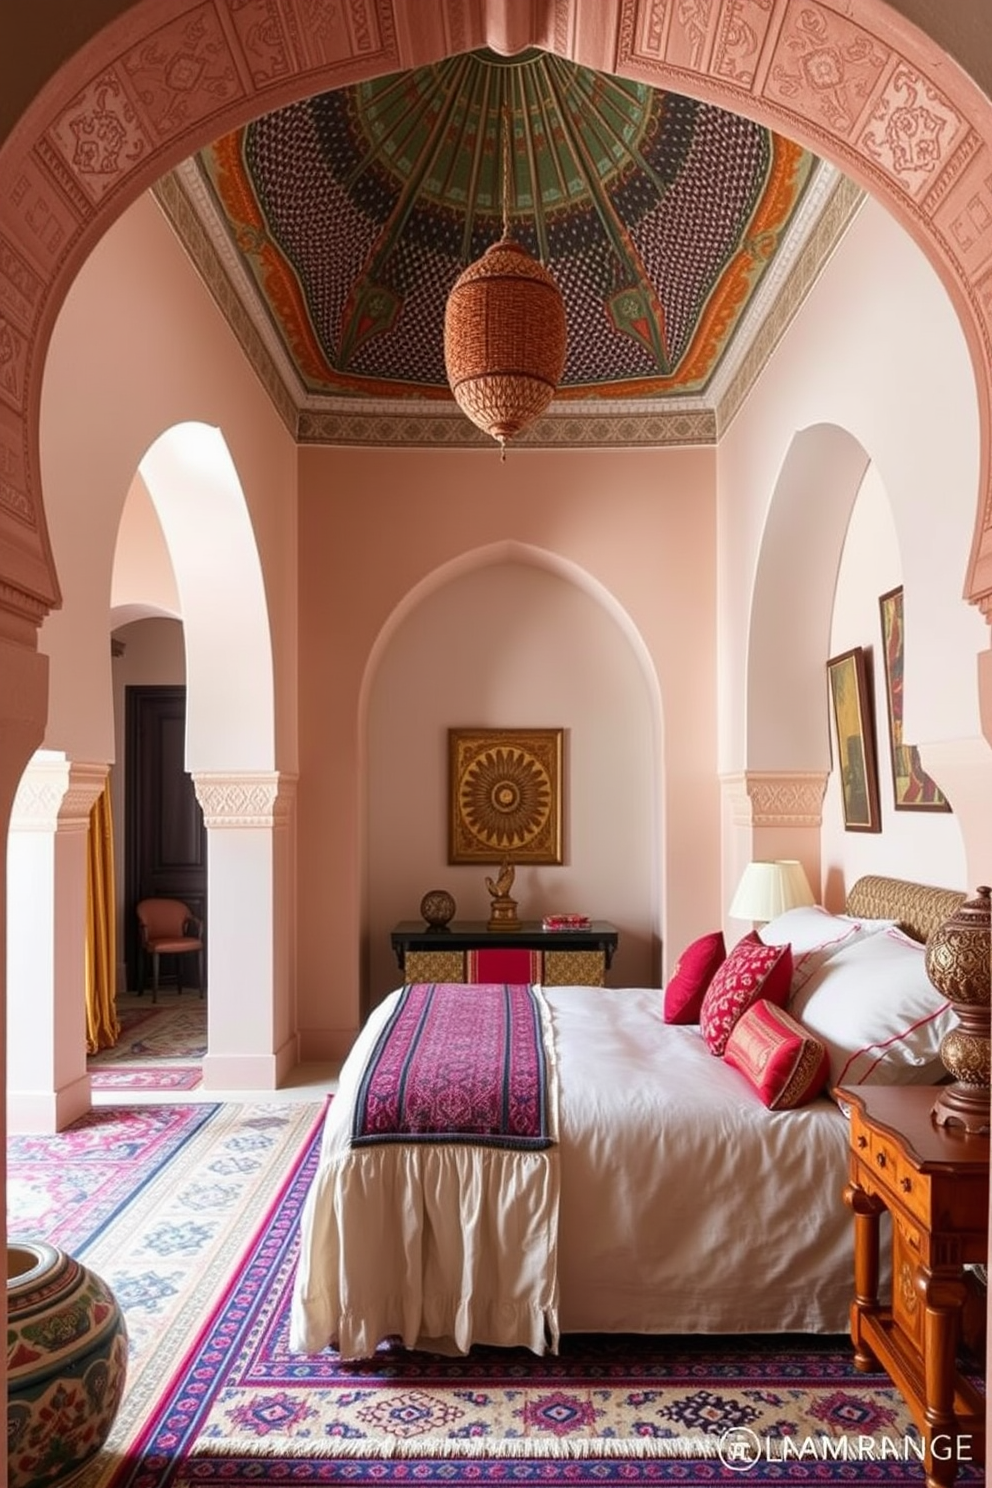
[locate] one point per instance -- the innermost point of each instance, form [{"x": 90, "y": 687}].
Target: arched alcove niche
[{"x": 511, "y": 635}]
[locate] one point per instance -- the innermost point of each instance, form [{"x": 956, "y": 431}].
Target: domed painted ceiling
[{"x": 345, "y": 220}]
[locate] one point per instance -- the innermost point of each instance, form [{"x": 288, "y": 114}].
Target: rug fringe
[{"x": 693, "y": 1448}]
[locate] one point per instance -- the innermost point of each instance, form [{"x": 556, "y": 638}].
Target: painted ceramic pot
[{"x": 66, "y": 1363}]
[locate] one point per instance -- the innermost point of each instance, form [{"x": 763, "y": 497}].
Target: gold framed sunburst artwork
[{"x": 505, "y": 794}]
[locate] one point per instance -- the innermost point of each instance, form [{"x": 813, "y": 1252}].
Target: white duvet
[{"x": 674, "y": 1202}]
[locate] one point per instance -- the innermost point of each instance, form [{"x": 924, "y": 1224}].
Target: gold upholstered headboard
[{"x": 918, "y": 908}]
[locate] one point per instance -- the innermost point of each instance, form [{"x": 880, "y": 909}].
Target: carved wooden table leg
[
  {"x": 866, "y": 1210},
  {"x": 943, "y": 1295}
]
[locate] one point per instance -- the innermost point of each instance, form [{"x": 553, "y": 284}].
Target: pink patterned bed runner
[{"x": 458, "y": 1063}]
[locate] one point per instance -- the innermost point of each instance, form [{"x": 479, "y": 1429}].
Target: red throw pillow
[
  {"x": 752, "y": 970},
  {"x": 786, "y": 1064},
  {"x": 692, "y": 975}
]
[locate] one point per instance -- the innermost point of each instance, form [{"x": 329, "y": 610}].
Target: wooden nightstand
[{"x": 934, "y": 1182}]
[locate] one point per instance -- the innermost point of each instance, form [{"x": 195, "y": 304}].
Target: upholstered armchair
[{"x": 168, "y": 928}]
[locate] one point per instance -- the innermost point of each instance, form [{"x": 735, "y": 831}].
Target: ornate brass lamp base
[
  {"x": 964, "y": 1105},
  {"x": 503, "y": 914},
  {"x": 957, "y": 962}
]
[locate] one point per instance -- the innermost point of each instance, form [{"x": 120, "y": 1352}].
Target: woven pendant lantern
[{"x": 504, "y": 336}]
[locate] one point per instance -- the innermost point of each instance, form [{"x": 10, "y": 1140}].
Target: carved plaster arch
[
  {"x": 511, "y": 551},
  {"x": 815, "y": 493},
  {"x": 875, "y": 95},
  {"x": 196, "y": 491}
]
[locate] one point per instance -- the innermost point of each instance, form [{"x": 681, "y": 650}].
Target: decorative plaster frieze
[
  {"x": 566, "y": 426},
  {"x": 776, "y": 798},
  {"x": 766, "y": 323},
  {"x": 254, "y": 798},
  {"x": 56, "y": 795}
]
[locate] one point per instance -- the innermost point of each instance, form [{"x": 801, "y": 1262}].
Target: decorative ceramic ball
[
  {"x": 437, "y": 908},
  {"x": 66, "y": 1363}
]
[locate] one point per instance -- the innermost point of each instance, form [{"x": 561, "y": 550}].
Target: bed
[{"x": 681, "y": 1188}]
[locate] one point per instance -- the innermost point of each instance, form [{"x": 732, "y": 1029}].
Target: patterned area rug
[
  {"x": 162, "y": 1202},
  {"x": 160, "y": 1076},
  {"x": 71, "y": 1187},
  {"x": 242, "y": 1410},
  {"x": 159, "y": 1046}
]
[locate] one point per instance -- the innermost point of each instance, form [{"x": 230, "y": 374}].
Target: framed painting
[
  {"x": 505, "y": 795},
  {"x": 851, "y": 698},
  {"x": 913, "y": 789}
]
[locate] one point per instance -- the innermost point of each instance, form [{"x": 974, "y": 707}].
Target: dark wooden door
[{"x": 165, "y": 839}]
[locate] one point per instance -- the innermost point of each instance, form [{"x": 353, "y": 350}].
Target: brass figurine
[{"x": 503, "y": 909}]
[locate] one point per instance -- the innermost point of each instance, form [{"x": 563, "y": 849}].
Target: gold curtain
[{"x": 102, "y": 1023}]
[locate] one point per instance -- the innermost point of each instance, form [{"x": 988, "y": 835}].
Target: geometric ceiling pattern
[
  {"x": 358, "y": 209},
  {"x": 346, "y": 219}
]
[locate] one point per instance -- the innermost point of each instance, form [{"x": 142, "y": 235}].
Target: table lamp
[{"x": 768, "y": 889}]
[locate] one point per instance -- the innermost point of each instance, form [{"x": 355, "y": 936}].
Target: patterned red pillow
[
  {"x": 751, "y": 971},
  {"x": 786, "y": 1064},
  {"x": 692, "y": 975}
]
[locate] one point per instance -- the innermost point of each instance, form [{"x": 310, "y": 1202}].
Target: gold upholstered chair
[{"x": 168, "y": 928}]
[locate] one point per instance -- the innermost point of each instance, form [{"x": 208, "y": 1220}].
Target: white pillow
[
  {"x": 877, "y": 1011},
  {"x": 815, "y": 935}
]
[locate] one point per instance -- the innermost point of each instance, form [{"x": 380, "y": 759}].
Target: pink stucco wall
[{"x": 635, "y": 528}]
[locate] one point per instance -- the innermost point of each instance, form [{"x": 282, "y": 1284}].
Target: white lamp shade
[{"x": 768, "y": 889}]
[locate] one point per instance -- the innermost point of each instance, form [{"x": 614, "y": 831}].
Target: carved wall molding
[
  {"x": 57, "y": 795},
  {"x": 574, "y": 425},
  {"x": 254, "y": 798},
  {"x": 21, "y": 613},
  {"x": 730, "y": 391},
  {"x": 776, "y": 798}
]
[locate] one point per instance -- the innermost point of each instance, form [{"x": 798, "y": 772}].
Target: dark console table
[{"x": 468, "y": 951}]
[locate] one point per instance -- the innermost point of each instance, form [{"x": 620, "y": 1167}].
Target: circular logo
[{"x": 739, "y": 1449}]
